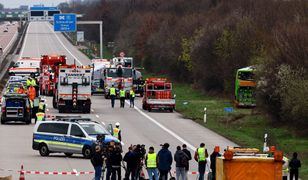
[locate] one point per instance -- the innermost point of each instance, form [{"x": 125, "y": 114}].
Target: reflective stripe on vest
[
  {"x": 28, "y": 82},
  {"x": 40, "y": 116},
  {"x": 201, "y": 154},
  {"x": 33, "y": 82},
  {"x": 122, "y": 93},
  {"x": 116, "y": 132},
  {"x": 112, "y": 91},
  {"x": 132, "y": 93},
  {"x": 151, "y": 161}
]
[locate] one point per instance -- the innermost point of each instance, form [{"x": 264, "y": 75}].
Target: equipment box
[{"x": 248, "y": 168}]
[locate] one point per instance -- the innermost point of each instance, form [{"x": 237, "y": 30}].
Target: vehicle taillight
[
  {"x": 109, "y": 78},
  {"x": 130, "y": 79},
  {"x": 3, "y": 109}
]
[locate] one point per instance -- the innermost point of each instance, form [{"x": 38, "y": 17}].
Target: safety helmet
[{"x": 117, "y": 124}]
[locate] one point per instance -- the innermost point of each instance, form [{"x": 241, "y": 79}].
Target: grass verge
[{"x": 245, "y": 127}]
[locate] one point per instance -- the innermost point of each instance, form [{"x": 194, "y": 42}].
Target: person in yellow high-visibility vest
[
  {"x": 122, "y": 97},
  {"x": 113, "y": 94},
  {"x": 40, "y": 116},
  {"x": 42, "y": 105},
  {"x": 131, "y": 98},
  {"x": 200, "y": 156},
  {"x": 117, "y": 131},
  {"x": 151, "y": 164}
]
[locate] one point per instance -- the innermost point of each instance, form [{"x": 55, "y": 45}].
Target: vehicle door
[{"x": 76, "y": 139}]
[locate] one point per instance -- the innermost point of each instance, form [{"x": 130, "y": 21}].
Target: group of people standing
[
  {"x": 158, "y": 165},
  {"x": 122, "y": 96}
]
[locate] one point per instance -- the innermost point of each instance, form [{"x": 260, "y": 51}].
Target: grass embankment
[{"x": 246, "y": 127}]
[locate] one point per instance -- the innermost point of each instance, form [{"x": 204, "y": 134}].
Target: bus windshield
[
  {"x": 114, "y": 72},
  {"x": 246, "y": 75}
]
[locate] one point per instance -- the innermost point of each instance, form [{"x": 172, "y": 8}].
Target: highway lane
[
  {"x": 5, "y": 37},
  {"x": 137, "y": 126}
]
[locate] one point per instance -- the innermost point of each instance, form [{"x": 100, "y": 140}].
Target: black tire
[
  {"x": 87, "y": 152},
  {"x": 107, "y": 96},
  {"x": 54, "y": 103},
  {"x": 144, "y": 107},
  {"x": 171, "y": 109},
  {"x": 44, "y": 151},
  {"x": 28, "y": 121},
  {"x": 68, "y": 154},
  {"x": 2, "y": 120},
  {"x": 61, "y": 109},
  {"x": 141, "y": 94},
  {"x": 149, "y": 109}
]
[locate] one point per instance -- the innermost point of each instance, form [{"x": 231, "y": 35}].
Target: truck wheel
[
  {"x": 106, "y": 96},
  {"x": 54, "y": 103},
  {"x": 2, "y": 120},
  {"x": 149, "y": 109},
  {"x": 171, "y": 109},
  {"x": 86, "y": 152},
  {"x": 61, "y": 110},
  {"x": 144, "y": 107},
  {"x": 44, "y": 151},
  {"x": 28, "y": 121}
]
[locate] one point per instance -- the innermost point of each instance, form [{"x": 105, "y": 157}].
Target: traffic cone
[{"x": 22, "y": 174}]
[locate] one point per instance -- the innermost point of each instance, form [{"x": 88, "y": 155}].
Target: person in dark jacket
[
  {"x": 181, "y": 160},
  {"x": 131, "y": 159},
  {"x": 187, "y": 152},
  {"x": 165, "y": 161},
  {"x": 294, "y": 165},
  {"x": 97, "y": 162},
  {"x": 116, "y": 159},
  {"x": 213, "y": 157}
]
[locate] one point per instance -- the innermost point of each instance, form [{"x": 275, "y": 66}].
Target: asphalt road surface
[
  {"x": 138, "y": 126},
  {"x": 6, "y": 37}
]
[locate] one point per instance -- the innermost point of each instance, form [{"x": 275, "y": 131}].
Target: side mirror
[{"x": 110, "y": 129}]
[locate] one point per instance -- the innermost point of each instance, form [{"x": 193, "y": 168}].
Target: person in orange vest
[
  {"x": 21, "y": 90},
  {"x": 31, "y": 92}
]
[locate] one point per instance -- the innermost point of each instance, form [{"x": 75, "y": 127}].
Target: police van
[{"x": 69, "y": 136}]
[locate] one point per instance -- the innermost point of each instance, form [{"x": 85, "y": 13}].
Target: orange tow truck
[{"x": 158, "y": 95}]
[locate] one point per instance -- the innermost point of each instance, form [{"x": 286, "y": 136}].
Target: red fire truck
[
  {"x": 49, "y": 64},
  {"x": 158, "y": 95}
]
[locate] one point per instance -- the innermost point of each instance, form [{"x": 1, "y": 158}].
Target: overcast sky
[{"x": 17, "y": 3}]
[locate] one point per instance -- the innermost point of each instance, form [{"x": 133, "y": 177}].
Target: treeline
[{"x": 203, "y": 42}]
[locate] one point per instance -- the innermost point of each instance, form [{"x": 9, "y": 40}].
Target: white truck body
[{"x": 70, "y": 76}]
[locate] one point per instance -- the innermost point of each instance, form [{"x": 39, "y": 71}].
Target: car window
[
  {"x": 93, "y": 129},
  {"x": 58, "y": 128},
  {"x": 76, "y": 131}
]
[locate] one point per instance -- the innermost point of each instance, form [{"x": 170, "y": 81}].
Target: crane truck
[
  {"x": 73, "y": 89},
  {"x": 47, "y": 72}
]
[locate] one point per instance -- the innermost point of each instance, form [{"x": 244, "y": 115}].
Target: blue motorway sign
[
  {"x": 42, "y": 8},
  {"x": 65, "y": 22}
]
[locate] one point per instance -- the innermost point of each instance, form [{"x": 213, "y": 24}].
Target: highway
[{"x": 138, "y": 126}]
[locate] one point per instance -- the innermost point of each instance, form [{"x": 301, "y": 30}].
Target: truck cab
[{"x": 15, "y": 107}]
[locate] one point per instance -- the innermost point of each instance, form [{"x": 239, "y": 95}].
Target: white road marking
[
  {"x": 103, "y": 123},
  {"x": 24, "y": 44},
  {"x": 97, "y": 116},
  {"x": 165, "y": 128},
  {"x": 64, "y": 45},
  {"x": 47, "y": 109},
  {"x": 92, "y": 110}
]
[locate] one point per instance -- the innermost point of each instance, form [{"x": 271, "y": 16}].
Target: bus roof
[{"x": 249, "y": 68}]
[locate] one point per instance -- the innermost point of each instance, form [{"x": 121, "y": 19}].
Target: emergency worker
[
  {"x": 122, "y": 98},
  {"x": 131, "y": 98},
  {"x": 117, "y": 131},
  {"x": 112, "y": 93},
  {"x": 151, "y": 164},
  {"x": 200, "y": 156},
  {"x": 42, "y": 105},
  {"x": 40, "y": 116},
  {"x": 21, "y": 90},
  {"x": 285, "y": 168},
  {"x": 31, "y": 92}
]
